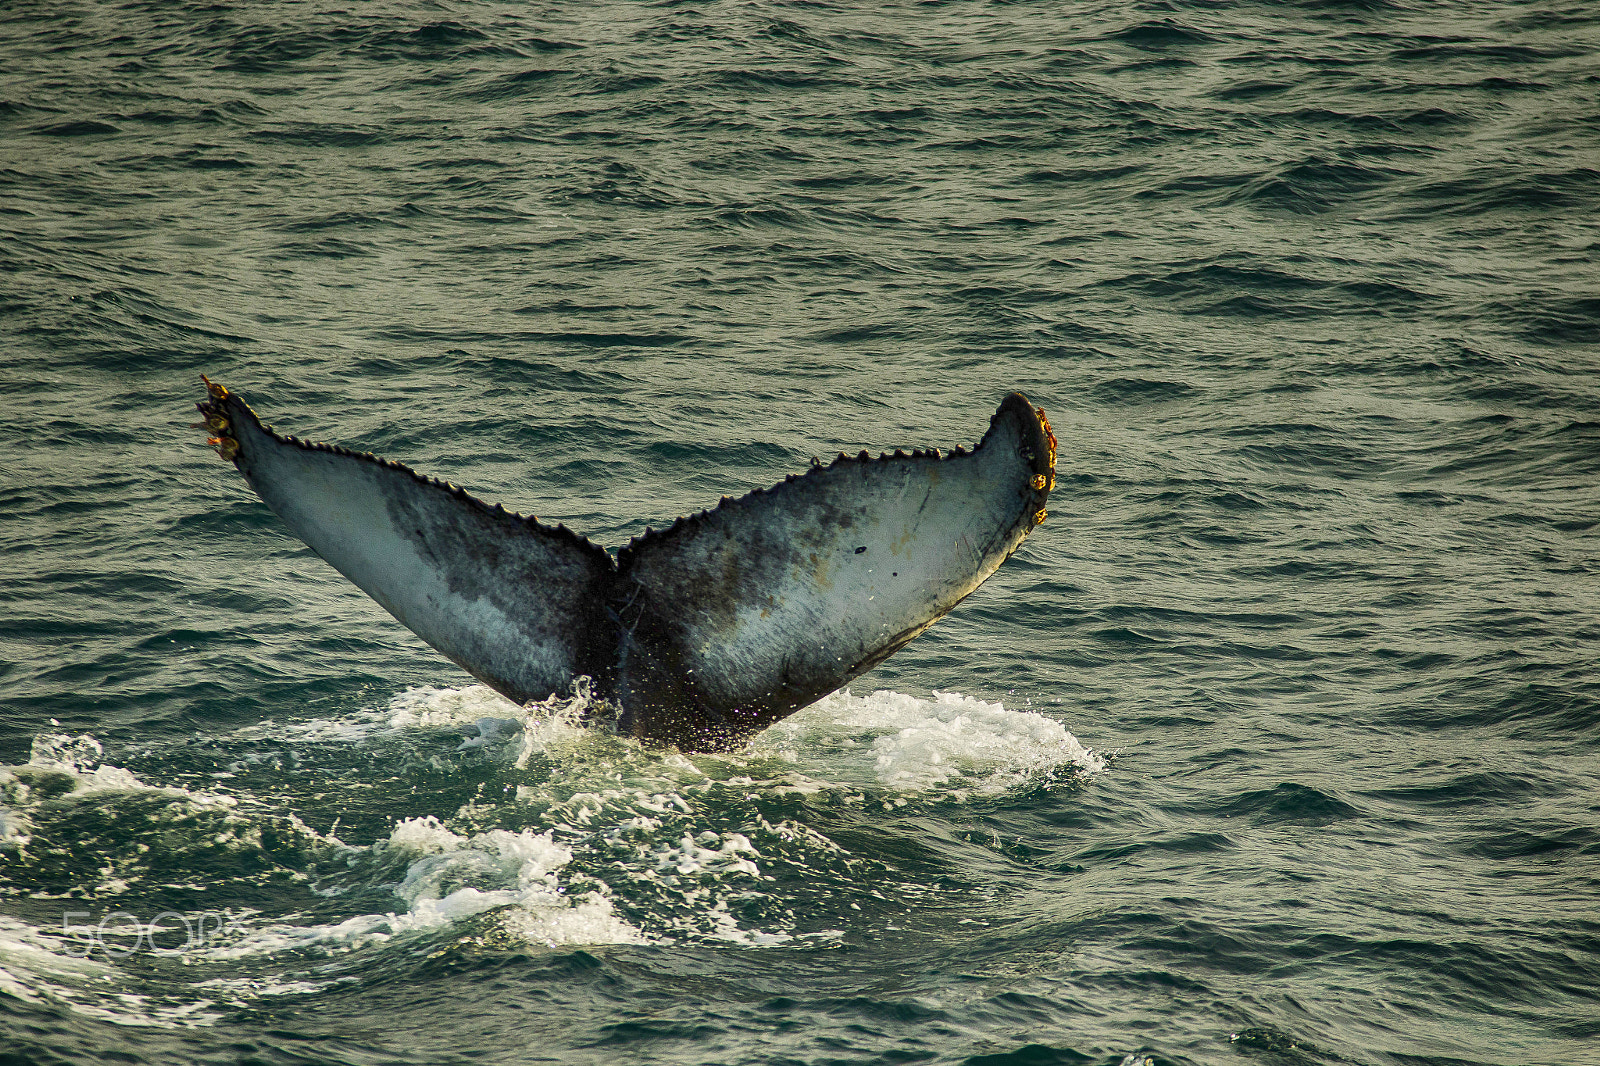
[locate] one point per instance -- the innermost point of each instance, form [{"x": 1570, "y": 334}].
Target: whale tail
[{"x": 701, "y": 633}]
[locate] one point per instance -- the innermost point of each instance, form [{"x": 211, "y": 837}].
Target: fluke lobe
[{"x": 700, "y": 634}]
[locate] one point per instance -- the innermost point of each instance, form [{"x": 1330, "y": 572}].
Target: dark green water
[{"x": 1276, "y": 744}]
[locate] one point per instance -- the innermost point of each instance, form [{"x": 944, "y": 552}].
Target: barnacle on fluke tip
[
  {"x": 216, "y": 421},
  {"x": 698, "y": 634}
]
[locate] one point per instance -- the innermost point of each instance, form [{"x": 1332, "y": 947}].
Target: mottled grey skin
[{"x": 699, "y": 634}]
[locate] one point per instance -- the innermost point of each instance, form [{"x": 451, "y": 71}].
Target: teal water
[{"x": 1277, "y": 743}]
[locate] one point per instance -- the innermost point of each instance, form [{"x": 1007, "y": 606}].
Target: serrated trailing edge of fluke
[
  {"x": 864, "y": 457},
  {"x": 216, "y": 409}
]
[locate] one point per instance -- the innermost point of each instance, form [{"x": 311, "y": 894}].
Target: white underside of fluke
[{"x": 496, "y": 596}]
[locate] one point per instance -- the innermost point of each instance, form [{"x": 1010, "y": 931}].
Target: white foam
[
  {"x": 74, "y": 754},
  {"x": 448, "y": 708},
  {"x": 919, "y": 745},
  {"x": 655, "y": 821},
  {"x": 468, "y": 710},
  {"x": 425, "y": 836},
  {"x": 455, "y": 877},
  {"x": 524, "y": 864},
  {"x": 907, "y": 744},
  {"x": 590, "y": 919},
  {"x": 80, "y": 758},
  {"x": 639, "y": 808},
  {"x": 422, "y": 707},
  {"x": 710, "y": 852}
]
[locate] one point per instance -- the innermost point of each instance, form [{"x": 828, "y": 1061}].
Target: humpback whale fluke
[{"x": 701, "y": 633}]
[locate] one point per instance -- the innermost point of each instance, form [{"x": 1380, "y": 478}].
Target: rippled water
[{"x": 1277, "y": 743}]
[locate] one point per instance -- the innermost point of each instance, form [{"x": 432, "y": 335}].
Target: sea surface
[{"x": 1278, "y": 743}]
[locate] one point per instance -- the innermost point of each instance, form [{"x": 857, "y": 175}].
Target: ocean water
[{"x": 1278, "y": 743}]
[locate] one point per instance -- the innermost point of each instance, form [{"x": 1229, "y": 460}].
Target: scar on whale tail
[{"x": 701, "y": 633}]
